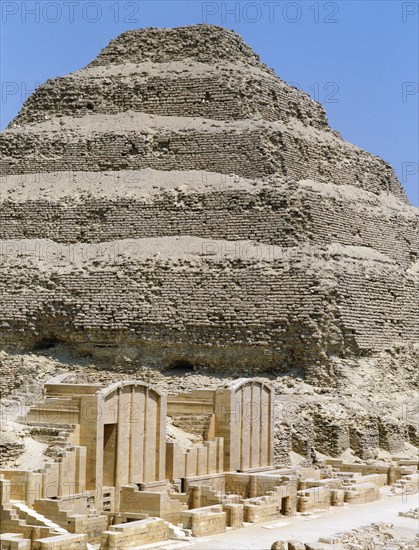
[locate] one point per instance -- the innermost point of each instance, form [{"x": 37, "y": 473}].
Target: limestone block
[
  {"x": 234, "y": 515},
  {"x": 14, "y": 541},
  {"x": 204, "y": 521},
  {"x": 61, "y": 542},
  {"x": 135, "y": 533}
]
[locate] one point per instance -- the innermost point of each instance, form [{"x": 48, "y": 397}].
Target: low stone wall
[
  {"x": 234, "y": 515},
  {"x": 264, "y": 509},
  {"x": 362, "y": 492},
  {"x": 135, "y": 533},
  {"x": 213, "y": 482},
  {"x": 153, "y": 503},
  {"x": 393, "y": 473},
  {"x": 64, "y": 478},
  {"x": 314, "y": 498},
  {"x": 10, "y": 541},
  {"x": 205, "y": 521},
  {"x": 61, "y": 542},
  {"x": 257, "y": 485}
]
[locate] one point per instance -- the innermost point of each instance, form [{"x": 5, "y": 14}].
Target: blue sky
[{"x": 358, "y": 58}]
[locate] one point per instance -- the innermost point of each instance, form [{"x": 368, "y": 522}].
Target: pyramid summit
[
  {"x": 206, "y": 43},
  {"x": 175, "y": 200}
]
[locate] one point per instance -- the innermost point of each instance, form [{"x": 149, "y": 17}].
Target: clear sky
[{"x": 358, "y": 58}]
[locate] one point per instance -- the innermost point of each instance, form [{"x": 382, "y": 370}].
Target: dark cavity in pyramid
[{"x": 175, "y": 200}]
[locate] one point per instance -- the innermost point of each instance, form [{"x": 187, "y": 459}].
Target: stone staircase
[
  {"x": 75, "y": 514},
  {"x": 52, "y": 434},
  {"x": 28, "y": 393},
  {"x": 53, "y": 410},
  {"x": 16, "y": 405},
  {"x": 16, "y": 517},
  {"x": 57, "y": 510},
  {"x": 196, "y": 424},
  {"x": 407, "y": 485},
  {"x": 32, "y": 517},
  {"x": 56, "y": 436},
  {"x": 19, "y": 518},
  {"x": 49, "y": 421}
]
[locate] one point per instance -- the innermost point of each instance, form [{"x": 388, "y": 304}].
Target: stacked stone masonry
[
  {"x": 229, "y": 91},
  {"x": 236, "y": 228},
  {"x": 175, "y": 307},
  {"x": 133, "y": 141},
  {"x": 92, "y": 208}
]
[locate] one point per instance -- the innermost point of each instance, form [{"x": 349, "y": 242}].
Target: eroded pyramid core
[{"x": 176, "y": 201}]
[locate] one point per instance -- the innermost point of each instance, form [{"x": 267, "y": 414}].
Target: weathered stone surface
[
  {"x": 177, "y": 200},
  {"x": 228, "y": 91},
  {"x": 175, "y": 297}
]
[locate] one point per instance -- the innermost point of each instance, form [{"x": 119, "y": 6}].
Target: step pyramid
[{"x": 175, "y": 200}]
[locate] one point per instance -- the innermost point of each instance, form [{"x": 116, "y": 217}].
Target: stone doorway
[
  {"x": 109, "y": 454},
  {"x": 285, "y": 506}
]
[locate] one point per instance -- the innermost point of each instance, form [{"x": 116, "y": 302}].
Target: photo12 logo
[
  {"x": 409, "y": 169},
  {"x": 71, "y": 11},
  {"x": 21, "y": 90},
  {"x": 409, "y": 90},
  {"x": 322, "y": 93},
  {"x": 410, "y": 12},
  {"x": 271, "y": 12}
]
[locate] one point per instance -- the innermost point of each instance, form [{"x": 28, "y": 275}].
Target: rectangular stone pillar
[
  {"x": 161, "y": 439},
  {"x": 123, "y": 453},
  {"x": 80, "y": 483},
  {"x": 211, "y": 456},
  {"x": 136, "y": 435},
  {"x": 175, "y": 461},
  {"x": 190, "y": 462},
  {"x": 91, "y": 437}
]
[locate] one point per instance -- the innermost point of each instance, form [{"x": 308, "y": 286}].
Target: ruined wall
[
  {"x": 248, "y": 148},
  {"x": 135, "y": 533},
  {"x": 92, "y": 208},
  {"x": 255, "y": 313},
  {"x": 204, "y": 43},
  {"x": 229, "y": 91}
]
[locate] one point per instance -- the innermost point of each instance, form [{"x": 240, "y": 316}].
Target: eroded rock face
[{"x": 176, "y": 200}]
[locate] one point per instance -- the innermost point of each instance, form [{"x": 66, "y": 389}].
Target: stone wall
[
  {"x": 135, "y": 533},
  {"x": 153, "y": 503},
  {"x": 209, "y": 520},
  {"x": 361, "y": 493},
  {"x": 228, "y": 91},
  {"x": 88, "y": 207},
  {"x": 263, "y": 314},
  {"x": 247, "y": 148},
  {"x": 205, "y": 43},
  {"x": 61, "y": 542}
]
